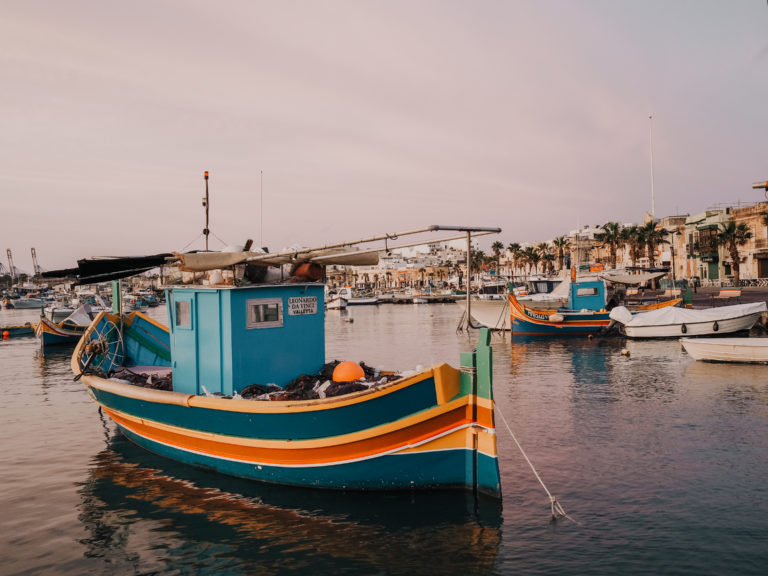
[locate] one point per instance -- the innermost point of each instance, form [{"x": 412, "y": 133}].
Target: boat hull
[
  {"x": 708, "y": 328},
  {"x": 51, "y": 334},
  {"x": 742, "y": 350},
  {"x": 432, "y": 429},
  {"x": 527, "y": 322}
]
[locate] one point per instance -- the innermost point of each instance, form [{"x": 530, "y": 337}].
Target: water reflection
[{"x": 142, "y": 511}]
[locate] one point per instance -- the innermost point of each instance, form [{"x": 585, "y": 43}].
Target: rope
[{"x": 557, "y": 510}]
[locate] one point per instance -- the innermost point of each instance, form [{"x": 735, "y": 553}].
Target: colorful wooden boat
[
  {"x": 18, "y": 330},
  {"x": 66, "y": 332},
  {"x": 434, "y": 428},
  {"x": 62, "y": 333},
  {"x": 586, "y": 313}
]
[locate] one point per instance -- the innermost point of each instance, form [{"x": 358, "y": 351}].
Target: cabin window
[
  {"x": 586, "y": 292},
  {"x": 265, "y": 313},
  {"x": 183, "y": 313}
]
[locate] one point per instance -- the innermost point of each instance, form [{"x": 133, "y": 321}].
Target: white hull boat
[
  {"x": 336, "y": 303},
  {"x": 674, "y": 322},
  {"x": 750, "y": 350}
]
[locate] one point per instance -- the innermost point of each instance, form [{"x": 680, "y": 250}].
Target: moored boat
[
  {"x": 742, "y": 350},
  {"x": 674, "y": 322},
  {"x": 66, "y": 332},
  {"x": 187, "y": 392}
]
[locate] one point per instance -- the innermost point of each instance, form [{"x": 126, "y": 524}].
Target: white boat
[
  {"x": 356, "y": 299},
  {"x": 334, "y": 301},
  {"x": 672, "y": 322},
  {"x": 751, "y": 350}
]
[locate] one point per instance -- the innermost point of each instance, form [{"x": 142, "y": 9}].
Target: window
[
  {"x": 183, "y": 313},
  {"x": 586, "y": 292},
  {"x": 264, "y": 313}
]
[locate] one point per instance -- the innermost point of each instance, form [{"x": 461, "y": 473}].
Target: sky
[{"x": 325, "y": 121}]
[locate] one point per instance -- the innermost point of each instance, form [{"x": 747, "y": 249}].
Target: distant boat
[
  {"x": 743, "y": 350},
  {"x": 677, "y": 322},
  {"x": 23, "y": 303},
  {"x": 66, "y": 332},
  {"x": 356, "y": 299}
]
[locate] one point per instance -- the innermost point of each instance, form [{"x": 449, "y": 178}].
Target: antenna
[
  {"x": 206, "y": 230},
  {"x": 261, "y": 211},
  {"x": 653, "y": 198}
]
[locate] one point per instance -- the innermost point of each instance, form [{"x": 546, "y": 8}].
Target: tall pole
[
  {"x": 261, "y": 212},
  {"x": 469, "y": 279},
  {"x": 206, "y": 230},
  {"x": 653, "y": 197}
]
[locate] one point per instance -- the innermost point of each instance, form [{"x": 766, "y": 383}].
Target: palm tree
[
  {"x": 611, "y": 236},
  {"x": 532, "y": 257},
  {"x": 560, "y": 243},
  {"x": 630, "y": 236},
  {"x": 652, "y": 237},
  {"x": 515, "y": 250},
  {"x": 732, "y": 236},
  {"x": 549, "y": 262},
  {"x": 497, "y": 247}
]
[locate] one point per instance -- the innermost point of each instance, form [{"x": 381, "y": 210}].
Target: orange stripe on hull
[{"x": 297, "y": 456}]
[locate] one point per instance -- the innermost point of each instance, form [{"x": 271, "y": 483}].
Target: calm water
[{"x": 662, "y": 461}]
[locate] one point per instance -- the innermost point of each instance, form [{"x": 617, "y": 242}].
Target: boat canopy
[
  {"x": 671, "y": 315},
  {"x": 632, "y": 279}
]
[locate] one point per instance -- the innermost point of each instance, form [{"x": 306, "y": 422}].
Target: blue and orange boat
[
  {"x": 586, "y": 313},
  {"x": 187, "y": 392}
]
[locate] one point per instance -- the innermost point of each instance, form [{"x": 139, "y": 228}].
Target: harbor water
[{"x": 661, "y": 463}]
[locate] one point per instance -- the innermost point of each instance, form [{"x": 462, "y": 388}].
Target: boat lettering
[
  {"x": 536, "y": 316},
  {"x": 302, "y": 305}
]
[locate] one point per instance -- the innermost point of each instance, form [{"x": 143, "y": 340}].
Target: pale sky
[{"x": 368, "y": 117}]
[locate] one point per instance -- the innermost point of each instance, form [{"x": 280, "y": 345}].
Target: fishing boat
[
  {"x": 334, "y": 300},
  {"x": 66, "y": 332},
  {"x": 356, "y": 299},
  {"x": 24, "y": 303},
  {"x": 741, "y": 350},
  {"x": 18, "y": 330},
  {"x": 238, "y": 383},
  {"x": 677, "y": 322}
]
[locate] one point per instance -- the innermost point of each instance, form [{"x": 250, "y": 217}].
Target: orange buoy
[
  {"x": 348, "y": 371},
  {"x": 6, "y": 334}
]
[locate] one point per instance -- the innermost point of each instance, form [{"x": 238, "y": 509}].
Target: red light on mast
[{"x": 206, "y": 174}]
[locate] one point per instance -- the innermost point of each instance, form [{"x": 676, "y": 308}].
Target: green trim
[{"x": 148, "y": 344}]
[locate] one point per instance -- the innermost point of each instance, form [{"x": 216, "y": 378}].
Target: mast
[
  {"x": 653, "y": 198},
  {"x": 206, "y": 230}
]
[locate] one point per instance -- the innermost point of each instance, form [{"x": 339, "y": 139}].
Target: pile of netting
[
  {"x": 152, "y": 381},
  {"x": 321, "y": 385}
]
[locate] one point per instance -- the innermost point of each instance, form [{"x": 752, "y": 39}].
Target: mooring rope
[{"x": 557, "y": 509}]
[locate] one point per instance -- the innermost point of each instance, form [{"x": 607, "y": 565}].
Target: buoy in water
[
  {"x": 6, "y": 334},
  {"x": 348, "y": 371},
  {"x": 625, "y": 352}
]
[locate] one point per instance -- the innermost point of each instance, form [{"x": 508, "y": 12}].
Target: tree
[
  {"x": 549, "y": 262},
  {"x": 561, "y": 244},
  {"x": 632, "y": 239},
  {"x": 497, "y": 247},
  {"x": 731, "y": 236},
  {"x": 650, "y": 237},
  {"x": 611, "y": 236},
  {"x": 515, "y": 249},
  {"x": 531, "y": 257}
]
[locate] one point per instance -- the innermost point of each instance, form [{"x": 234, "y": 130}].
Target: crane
[
  {"x": 10, "y": 265},
  {"x": 35, "y": 265}
]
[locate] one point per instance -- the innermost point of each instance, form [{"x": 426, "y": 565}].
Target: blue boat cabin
[
  {"x": 587, "y": 295},
  {"x": 224, "y": 339}
]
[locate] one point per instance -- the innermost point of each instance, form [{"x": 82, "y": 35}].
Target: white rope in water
[{"x": 557, "y": 509}]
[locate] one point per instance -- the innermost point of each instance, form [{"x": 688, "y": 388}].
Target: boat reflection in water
[{"x": 145, "y": 513}]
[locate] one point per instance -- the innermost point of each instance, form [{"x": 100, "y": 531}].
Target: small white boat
[
  {"x": 354, "y": 299},
  {"x": 672, "y": 322},
  {"x": 751, "y": 350},
  {"x": 334, "y": 301}
]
